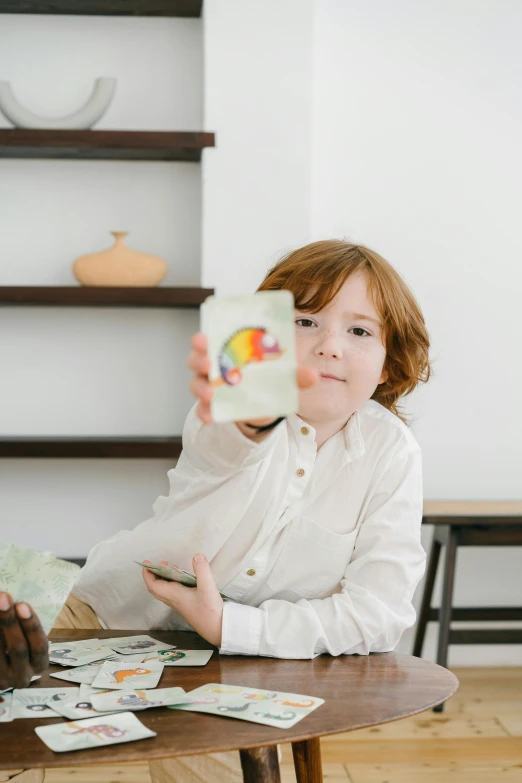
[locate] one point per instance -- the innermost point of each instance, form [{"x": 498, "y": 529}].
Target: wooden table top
[
  {"x": 473, "y": 512},
  {"x": 358, "y": 690}
]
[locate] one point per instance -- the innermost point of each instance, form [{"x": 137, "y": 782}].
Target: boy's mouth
[{"x": 328, "y": 377}]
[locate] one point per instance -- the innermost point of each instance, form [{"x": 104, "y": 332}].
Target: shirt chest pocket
[{"x": 312, "y": 560}]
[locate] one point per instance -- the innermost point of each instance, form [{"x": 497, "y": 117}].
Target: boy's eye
[
  {"x": 358, "y": 331},
  {"x": 304, "y": 322}
]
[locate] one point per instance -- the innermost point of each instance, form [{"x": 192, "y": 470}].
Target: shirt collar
[{"x": 350, "y": 436}]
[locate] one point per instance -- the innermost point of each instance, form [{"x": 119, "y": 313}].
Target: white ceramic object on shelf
[
  {"x": 85, "y": 117},
  {"x": 120, "y": 266}
]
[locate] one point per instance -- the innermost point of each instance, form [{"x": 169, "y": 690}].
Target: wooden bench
[{"x": 466, "y": 523}]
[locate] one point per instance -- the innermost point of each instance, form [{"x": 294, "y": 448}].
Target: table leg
[
  {"x": 307, "y": 761},
  {"x": 260, "y": 765}
]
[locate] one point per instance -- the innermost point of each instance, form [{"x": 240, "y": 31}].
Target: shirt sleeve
[
  {"x": 374, "y": 605},
  {"x": 222, "y": 447}
]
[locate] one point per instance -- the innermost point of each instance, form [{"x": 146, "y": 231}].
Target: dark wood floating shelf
[
  {"x": 91, "y": 448},
  {"x": 79, "y": 296},
  {"x": 184, "y": 8},
  {"x": 104, "y": 144}
]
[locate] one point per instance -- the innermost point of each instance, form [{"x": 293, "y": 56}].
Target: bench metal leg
[
  {"x": 447, "y": 600},
  {"x": 426, "y": 598}
]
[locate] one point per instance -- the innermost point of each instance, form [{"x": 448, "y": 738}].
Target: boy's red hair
[{"x": 315, "y": 273}]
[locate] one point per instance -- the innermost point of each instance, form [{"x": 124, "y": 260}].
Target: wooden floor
[{"x": 477, "y": 739}]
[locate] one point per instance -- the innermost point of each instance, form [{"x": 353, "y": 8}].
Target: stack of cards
[
  {"x": 78, "y": 653},
  {"x": 38, "y": 578},
  {"x": 94, "y": 732},
  {"x": 251, "y": 346},
  {"x": 272, "y": 708}
]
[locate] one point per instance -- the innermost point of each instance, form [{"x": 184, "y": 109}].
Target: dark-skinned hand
[{"x": 23, "y": 644}]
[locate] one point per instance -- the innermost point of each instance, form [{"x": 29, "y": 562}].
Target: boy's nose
[{"x": 329, "y": 346}]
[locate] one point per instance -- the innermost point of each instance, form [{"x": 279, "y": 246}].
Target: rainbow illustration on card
[{"x": 250, "y": 344}]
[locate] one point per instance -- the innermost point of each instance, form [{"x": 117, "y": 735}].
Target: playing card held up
[{"x": 251, "y": 346}]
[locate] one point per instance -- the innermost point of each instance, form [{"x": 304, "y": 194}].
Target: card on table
[
  {"x": 272, "y": 708},
  {"x": 37, "y": 577},
  {"x": 135, "y": 644},
  {"x": 251, "y": 346},
  {"x": 93, "y": 732},
  {"x": 172, "y": 573},
  {"x": 81, "y": 674},
  {"x": 181, "y": 657},
  {"x": 122, "y": 676},
  {"x": 137, "y": 699},
  {"x": 39, "y": 702},
  {"x": 6, "y": 701},
  {"x": 77, "y": 654},
  {"x": 76, "y": 709}
]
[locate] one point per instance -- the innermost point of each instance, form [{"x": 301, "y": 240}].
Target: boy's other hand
[{"x": 200, "y": 606}]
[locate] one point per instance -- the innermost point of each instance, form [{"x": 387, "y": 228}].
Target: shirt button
[
  {"x": 251, "y": 572},
  {"x": 300, "y": 472},
  {"x": 304, "y": 430}
]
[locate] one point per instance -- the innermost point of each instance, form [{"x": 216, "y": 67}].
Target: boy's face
[{"x": 344, "y": 343}]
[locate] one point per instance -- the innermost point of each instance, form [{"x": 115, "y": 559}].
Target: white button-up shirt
[{"x": 319, "y": 550}]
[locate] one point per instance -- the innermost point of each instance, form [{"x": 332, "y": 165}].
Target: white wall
[
  {"x": 256, "y": 190},
  {"x": 416, "y": 140},
  {"x": 95, "y": 371}
]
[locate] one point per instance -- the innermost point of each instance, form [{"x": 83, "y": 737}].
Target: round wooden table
[{"x": 358, "y": 691}]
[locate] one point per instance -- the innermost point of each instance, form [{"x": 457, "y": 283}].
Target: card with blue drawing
[
  {"x": 251, "y": 346},
  {"x": 120, "y": 675},
  {"x": 179, "y": 657},
  {"x": 137, "y": 699},
  {"x": 93, "y": 732},
  {"x": 272, "y": 708},
  {"x": 39, "y": 702}
]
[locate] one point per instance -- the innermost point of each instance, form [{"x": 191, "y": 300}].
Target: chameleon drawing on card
[
  {"x": 100, "y": 730},
  {"x": 63, "y": 654},
  {"x": 167, "y": 656},
  {"x": 225, "y": 708},
  {"x": 251, "y": 344},
  {"x": 138, "y": 699},
  {"x": 259, "y": 696},
  {"x": 306, "y": 703},
  {"x": 122, "y": 674},
  {"x": 282, "y": 716}
]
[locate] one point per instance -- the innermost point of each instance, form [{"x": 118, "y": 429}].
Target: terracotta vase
[{"x": 120, "y": 266}]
